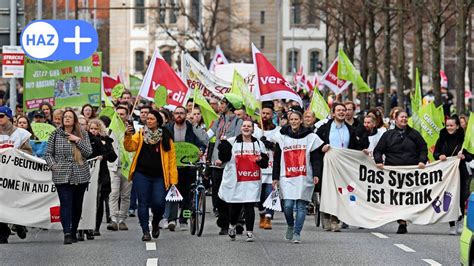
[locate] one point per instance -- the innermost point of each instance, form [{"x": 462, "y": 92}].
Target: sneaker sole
[{"x": 171, "y": 227}]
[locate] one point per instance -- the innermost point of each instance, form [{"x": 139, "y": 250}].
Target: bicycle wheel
[
  {"x": 192, "y": 220},
  {"x": 201, "y": 212}
]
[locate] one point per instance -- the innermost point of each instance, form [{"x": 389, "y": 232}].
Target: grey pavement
[{"x": 353, "y": 246}]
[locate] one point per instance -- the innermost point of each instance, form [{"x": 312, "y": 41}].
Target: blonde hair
[{"x": 100, "y": 125}]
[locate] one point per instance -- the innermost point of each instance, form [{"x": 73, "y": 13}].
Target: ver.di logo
[{"x": 59, "y": 40}]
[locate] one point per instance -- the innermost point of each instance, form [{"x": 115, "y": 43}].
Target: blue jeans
[
  {"x": 266, "y": 191},
  {"x": 133, "y": 199},
  {"x": 151, "y": 194},
  {"x": 299, "y": 206},
  {"x": 71, "y": 198}
]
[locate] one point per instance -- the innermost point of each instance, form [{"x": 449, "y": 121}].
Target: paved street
[{"x": 352, "y": 246}]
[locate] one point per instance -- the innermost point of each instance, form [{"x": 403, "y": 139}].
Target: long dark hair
[
  {"x": 166, "y": 135},
  {"x": 76, "y": 128},
  {"x": 51, "y": 110},
  {"x": 29, "y": 129},
  {"x": 92, "y": 113}
]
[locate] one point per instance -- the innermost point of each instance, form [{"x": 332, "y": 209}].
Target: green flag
[
  {"x": 239, "y": 87},
  {"x": 135, "y": 84},
  {"x": 468, "y": 144},
  {"x": 431, "y": 123},
  {"x": 318, "y": 105},
  {"x": 207, "y": 112},
  {"x": 347, "y": 71},
  {"x": 118, "y": 128},
  {"x": 416, "y": 104}
]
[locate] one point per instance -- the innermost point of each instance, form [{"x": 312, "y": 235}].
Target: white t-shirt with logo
[
  {"x": 296, "y": 174},
  {"x": 242, "y": 177},
  {"x": 16, "y": 139}
]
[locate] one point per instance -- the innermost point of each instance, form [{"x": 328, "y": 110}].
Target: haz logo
[{"x": 59, "y": 40}]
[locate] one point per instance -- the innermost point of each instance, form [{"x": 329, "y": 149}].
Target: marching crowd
[{"x": 246, "y": 161}]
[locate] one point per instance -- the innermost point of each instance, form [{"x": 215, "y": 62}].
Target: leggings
[{"x": 249, "y": 213}]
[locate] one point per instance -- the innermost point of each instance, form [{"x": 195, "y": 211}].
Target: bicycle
[{"x": 197, "y": 213}]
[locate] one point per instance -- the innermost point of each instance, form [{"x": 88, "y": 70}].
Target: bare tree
[
  {"x": 400, "y": 53},
  {"x": 387, "y": 57},
  {"x": 462, "y": 8}
]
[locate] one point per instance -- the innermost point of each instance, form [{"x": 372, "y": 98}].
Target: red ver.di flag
[
  {"x": 159, "y": 73},
  {"x": 247, "y": 168},
  {"x": 295, "y": 162},
  {"x": 271, "y": 84}
]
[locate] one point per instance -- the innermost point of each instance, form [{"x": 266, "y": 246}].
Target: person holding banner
[
  {"x": 450, "y": 143},
  {"x": 401, "y": 145},
  {"x": 66, "y": 153},
  {"x": 294, "y": 170},
  {"x": 243, "y": 156},
  {"x": 339, "y": 134},
  {"x": 12, "y": 137},
  {"x": 153, "y": 170}
]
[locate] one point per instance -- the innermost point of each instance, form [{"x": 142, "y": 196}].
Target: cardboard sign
[
  {"x": 186, "y": 153},
  {"x": 117, "y": 91},
  {"x": 42, "y": 130}
]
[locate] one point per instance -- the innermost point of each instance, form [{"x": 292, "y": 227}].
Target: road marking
[
  {"x": 432, "y": 262},
  {"x": 151, "y": 246},
  {"x": 152, "y": 262},
  {"x": 379, "y": 235},
  {"x": 404, "y": 248}
]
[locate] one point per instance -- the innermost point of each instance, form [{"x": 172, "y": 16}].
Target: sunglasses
[{"x": 2, "y": 115}]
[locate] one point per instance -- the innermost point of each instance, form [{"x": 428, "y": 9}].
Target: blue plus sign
[{"x": 77, "y": 40}]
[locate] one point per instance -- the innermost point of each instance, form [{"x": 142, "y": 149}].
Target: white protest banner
[
  {"x": 28, "y": 195},
  {"x": 196, "y": 75},
  {"x": 360, "y": 194}
]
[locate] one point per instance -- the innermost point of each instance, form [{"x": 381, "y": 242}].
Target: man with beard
[
  {"x": 182, "y": 131},
  {"x": 265, "y": 134}
]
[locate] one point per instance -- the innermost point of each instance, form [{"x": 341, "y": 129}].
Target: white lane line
[
  {"x": 432, "y": 262},
  {"x": 152, "y": 262},
  {"x": 404, "y": 248},
  {"x": 151, "y": 246},
  {"x": 379, "y": 235}
]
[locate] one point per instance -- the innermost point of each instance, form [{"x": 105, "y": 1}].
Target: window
[
  {"x": 314, "y": 63},
  {"x": 292, "y": 61},
  {"x": 195, "y": 12},
  {"x": 173, "y": 11},
  {"x": 139, "y": 61},
  {"x": 162, "y": 11},
  {"x": 167, "y": 56},
  {"x": 262, "y": 42},
  {"x": 312, "y": 13},
  {"x": 296, "y": 12},
  {"x": 139, "y": 12},
  {"x": 262, "y": 17}
]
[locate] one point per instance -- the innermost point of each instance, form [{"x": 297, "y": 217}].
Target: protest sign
[
  {"x": 360, "y": 194},
  {"x": 42, "y": 130},
  {"x": 28, "y": 195},
  {"x": 62, "y": 83},
  {"x": 186, "y": 153}
]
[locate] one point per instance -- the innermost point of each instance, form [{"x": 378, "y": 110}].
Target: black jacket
[
  {"x": 190, "y": 135},
  {"x": 408, "y": 148},
  {"x": 323, "y": 133},
  {"x": 450, "y": 145},
  {"x": 225, "y": 151},
  {"x": 102, "y": 146},
  {"x": 301, "y": 133}
]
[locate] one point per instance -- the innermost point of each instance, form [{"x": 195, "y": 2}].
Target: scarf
[{"x": 152, "y": 137}]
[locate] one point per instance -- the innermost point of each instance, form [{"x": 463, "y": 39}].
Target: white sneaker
[
  {"x": 183, "y": 226},
  {"x": 250, "y": 237},
  {"x": 452, "y": 230},
  {"x": 459, "y": 226},
  {"x": 163, "y": 224}
]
